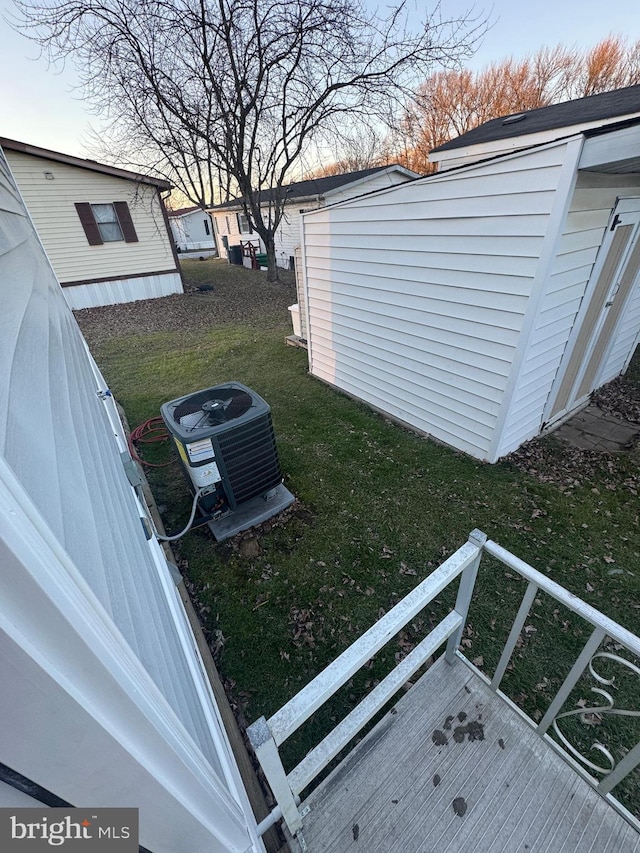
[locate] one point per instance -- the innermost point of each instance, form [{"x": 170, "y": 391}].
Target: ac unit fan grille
[{"x": 251, "y": 459}]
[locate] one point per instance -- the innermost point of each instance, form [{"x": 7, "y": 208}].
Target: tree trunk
[{"x": 272, "y": 267}]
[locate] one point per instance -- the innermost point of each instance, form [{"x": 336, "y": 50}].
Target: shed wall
[
  {"x": 416, "y": 297},
  {"x": 589, "y": 214},
  {"x": 51, "y": 204}
]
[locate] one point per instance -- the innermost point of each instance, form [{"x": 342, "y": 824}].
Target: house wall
[
  {"x": 288, "y": 233},
  {"x": 226, "y": 224},
  {"x": 589, "y": 214},
  {"x": 104, "y": 699},
  {"x": 416, "y": 297},
  {"x": 139, "y": 270},
  {"x": 189, "y": 231}
]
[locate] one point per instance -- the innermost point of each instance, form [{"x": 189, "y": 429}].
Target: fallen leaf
[{"x": 479, "y": 661}]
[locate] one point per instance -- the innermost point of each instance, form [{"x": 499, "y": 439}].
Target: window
[
  {"x": 244, "y": 226},
  {"x": 109, "y": 222},
  {"x": 206, "y": 227}
]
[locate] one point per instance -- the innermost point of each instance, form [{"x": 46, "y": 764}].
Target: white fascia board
[{"x": 514, "y": 143}]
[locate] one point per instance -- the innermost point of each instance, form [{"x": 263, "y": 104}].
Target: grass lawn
[{"x": 378, "y": 508}]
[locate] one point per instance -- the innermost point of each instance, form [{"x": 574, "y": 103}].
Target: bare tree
[
  {"x": 450, "y": 103},
  {"x": 240, "y": 90}
]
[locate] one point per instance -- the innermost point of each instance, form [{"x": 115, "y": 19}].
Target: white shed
[
  {"x": 104, "y": 700},
  {"x": 483, "y": 304},
  {"x": 233, "y": 227}
]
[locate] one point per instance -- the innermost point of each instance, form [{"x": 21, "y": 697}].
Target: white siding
[
  {"x": 377, "y": 181},
  {"x": 51, "y": 204},
  {"x": 190, "y": 233},
  {"x": 287, "y": 237},
  {"x": 61, "y": 444},
  {"x": 123, "y": 290},
  {"x": 590, "y": 209},
  {"x": 226, "y": 224},
  {"x": 288, "y": 233},
  {"x": 416, "y": 296}
]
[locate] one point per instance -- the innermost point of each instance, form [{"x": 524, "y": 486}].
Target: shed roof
[
  {"x": 314, "y": 186},
  {"x": 607, "y": 105},
  {"x": 183, "y": 211},
  {"x": 92, "y": 165}
]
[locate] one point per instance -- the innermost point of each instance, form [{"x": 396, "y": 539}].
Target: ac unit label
[{"x": 201, "y": 450}]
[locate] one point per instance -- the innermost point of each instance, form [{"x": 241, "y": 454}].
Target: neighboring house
[
  {"x": 192, "y": 229},
  {"x": 104, "y": 229},
  {"x": 534, "y": 127},
  {"x": 484, "y": 304},
  {"x": 104, "y": 700},
  {"x": 233, "y": 227}
]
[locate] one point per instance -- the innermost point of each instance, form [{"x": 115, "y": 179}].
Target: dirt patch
[{"x": 237, "y": 295}]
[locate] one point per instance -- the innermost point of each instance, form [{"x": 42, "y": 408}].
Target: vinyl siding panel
[
  {"x": 288, "y": 233},
  {"x": 57, "y": 436},
  {"x": 190, "y": 233},
  {"x": 589, "y": 213},
  {"x": 226, "y": 224},
  {"x": 51, "y": 204},
  {"x": 378, "y": 181},
  {"x": 417, "y": 295},
  {"x": 123, "y": 290}
]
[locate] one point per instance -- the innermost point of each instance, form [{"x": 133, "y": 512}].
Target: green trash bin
[{"x": 261, "y": 259}]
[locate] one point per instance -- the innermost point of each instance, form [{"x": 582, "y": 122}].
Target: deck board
[{"x": 519, "y": 794}]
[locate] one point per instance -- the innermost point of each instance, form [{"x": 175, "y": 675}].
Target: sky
[{"x": 42, "y": 106}]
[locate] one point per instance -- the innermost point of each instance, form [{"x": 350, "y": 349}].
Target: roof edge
[{"x": 91, "y": 165}]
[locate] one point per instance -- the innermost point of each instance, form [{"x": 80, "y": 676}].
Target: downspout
[{"x": 165, "y": 216}]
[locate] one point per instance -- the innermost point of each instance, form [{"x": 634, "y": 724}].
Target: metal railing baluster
[
  {"x": 518, "y": 624},
  {"x": 582, "y": 662}
]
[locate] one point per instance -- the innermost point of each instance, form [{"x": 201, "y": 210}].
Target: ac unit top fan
[
  {"x": 197, "y": 413},
  {"x": 227, "y": 446}
]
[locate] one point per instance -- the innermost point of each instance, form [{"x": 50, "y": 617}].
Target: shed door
[{"x": 614, "y": 276}]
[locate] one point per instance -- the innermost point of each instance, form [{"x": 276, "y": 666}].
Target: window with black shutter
[{"x": 109, "y": 222}]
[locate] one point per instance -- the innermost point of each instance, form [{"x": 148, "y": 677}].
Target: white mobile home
[
  {"x": 233, "y": 226},
  {"x": 104, "y": 229},
  {"x": 104, "y": 699},
  {"x": 484, "y": 303},
  {"x": 192, "y": 229}
]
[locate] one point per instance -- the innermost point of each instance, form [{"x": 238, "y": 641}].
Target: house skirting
[{"x": 91, "y": 294}]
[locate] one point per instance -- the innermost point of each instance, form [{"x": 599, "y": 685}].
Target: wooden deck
[{"x": 451, "y": 769}]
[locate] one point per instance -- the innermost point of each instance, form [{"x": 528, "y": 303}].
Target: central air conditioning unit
[{"x": 227, "y": 446}]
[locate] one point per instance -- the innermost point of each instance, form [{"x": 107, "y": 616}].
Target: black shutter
[
  {"x": 126, "y": 223},
  {"x": 89, "y": 223}
]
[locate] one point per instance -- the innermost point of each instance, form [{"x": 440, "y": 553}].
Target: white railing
[
  {"x": 267, "y": 735},
  {"x": 602, "y": 627}
]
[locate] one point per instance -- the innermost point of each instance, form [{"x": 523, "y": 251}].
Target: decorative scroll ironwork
[{"x": 608, "y": 708}]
